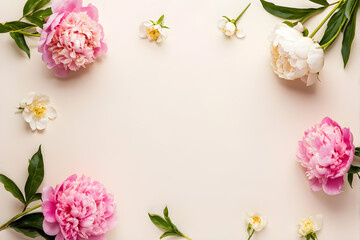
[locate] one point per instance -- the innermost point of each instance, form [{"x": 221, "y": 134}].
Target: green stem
[
  {"x": 325, "y": 19},
  {"x": 253, "y": 231},
  {"x": 6, "y": 225},
  {"x": 186, "y": 237},
  {"x": 27, "y": 34},
  {"x": 237, "y": 19}
]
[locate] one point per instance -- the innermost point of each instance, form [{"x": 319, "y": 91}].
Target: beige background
[{"x": 199, "y": 123}]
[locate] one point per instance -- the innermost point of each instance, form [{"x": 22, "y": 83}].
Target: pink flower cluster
[
  {"x": 71, "y": 37},
  {"x": 78, "y": 209},
  {"x": 326, "y": 152}
]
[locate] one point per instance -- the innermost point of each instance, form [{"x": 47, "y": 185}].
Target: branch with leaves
[
  {"x": 33, "y": 16},
  {"x": 27, "y": 223},
  {"x": 342, "y": 18},
  {"x": 166, "y": 224}
]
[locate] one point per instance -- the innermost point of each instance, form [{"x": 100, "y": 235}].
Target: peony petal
[
  {"x": 51, "y": 112},
  {"x": 47, "y": 194},
  {"x": 61, "y": 72},
  {"x": 59, "y": 236},
  {"x": 315, "y": 184},
  {"x": 49, "y": 208},
  {"x": 311, "y": 79},
  {"x": 65, "y": 5},
  {"x": 98, "y": 237},
  {"x": 41, "y": 124},
  {"x": 51, "y": 228},
  {"x": 92, "y": 12},
  {"x": 142, "y": 30},
  {"x": 222, "y": 23},
  {"x": 240, "y": 33},
  {"x": 333, "y": 186}
]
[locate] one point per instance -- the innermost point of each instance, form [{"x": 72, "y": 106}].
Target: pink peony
[
  {"x": 71, "y": 37},
  {"x": 326, "y": 152},
  {"x": 78, "y": 209}
]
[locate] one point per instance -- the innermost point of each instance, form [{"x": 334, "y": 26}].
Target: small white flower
[
  {"x": 153, "y": 31},
  {"x": 309, "y": 226},
  {"x": 295, "y": 56},
  {"x": 36, "y": 110},
  {"x": 255, "y": 221},
  {"x": 230, "y": 29}
]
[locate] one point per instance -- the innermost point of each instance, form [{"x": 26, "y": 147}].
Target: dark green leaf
[
  {"x": 166, "y": 211},
  {"x": 161, "y": 19},
  {"x": 306, "y": 32},
  {"x": 29, "y": 232},
  {"x": 168, "y": 234},
  {"x": 348, "y": 38},
  {"x": 36, "y": 175},
  {"x": 30, "y": 6},
  {"x": 334, "y": 27},
  {"x": 37, "y": 21},
  {"x": 18, "y": 25},
  {"x": 34, "y": 220},
  {"x": 322, "y": 2},
  {"x": 350, "y": 178},
  {"x": 314, "y": 235},
  {"x": 349, "y": 7},
  {"x": 357, "y": 151},
  {"x": 41, "y": 4},
  {"x": 354, "y": 169},
  {"x": 287, "y": 12},
  {"x": 42, "y": 14},
  {"x": 20, "y": 42},
  {"x": 36, "y": 197},
  {"x": 159, "y": 222},
  {"x": 11, "y": 187},
  {"x": 4, "y": 29}
]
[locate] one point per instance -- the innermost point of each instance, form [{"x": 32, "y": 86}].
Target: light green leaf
[
  {"x": 159, "y": 222},
  {"x": 161, "y": 19},
  {"x": 166, "y": 211},
  {"x": 168, "y": 234},
  {"x": 20, "y": 42},
  {"x": 11, "y": 187},
  {"x": 36, "y": 175},
  {"x": 288, "y": 12}
]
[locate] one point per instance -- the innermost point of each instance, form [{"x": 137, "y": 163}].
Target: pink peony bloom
[
  {"x": 326, "y": 152},
  {"x": 78, "y": 209},
  {"x": 71, "y": 37}
]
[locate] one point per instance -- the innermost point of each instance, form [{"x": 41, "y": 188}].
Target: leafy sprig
[
  {"x": 311, "y": 236},
  {"x": 29, "y": 224},
  {"x": 342, "y": 18},
  {"x": 166, "y": 224},
  {"x": 354, "y": 170},
  {"x": 33, "y": 16}
]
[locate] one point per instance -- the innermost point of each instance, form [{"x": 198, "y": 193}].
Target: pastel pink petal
[
  {"x": 315, "y": 185},
  {"x": 59, "y": 236},
  {"x": 51, "y": 228},
  {"x": 101, "y": 50},
  {"x": 61, "y": 72},
  {"x": 65, "y": 5},
  {"x": 98, "y": 237},
  {"x": 91, "y": 12},
  {"x": 111, "y": 222},
  {"x": 333, "y": 186},
  {"x": 46, "y": 194},
  {"x": 49, "y": 210},
  {"x": 330, "y": 122}
]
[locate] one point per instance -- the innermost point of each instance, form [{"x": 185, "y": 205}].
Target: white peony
[
  {"x": 154, "y": 32},
  {"x": 255, "y": 221},
  {"x": 295, "y": 56},
  {"x": 230, "y": 29},
  {"x": 310, "y": 225},
  {"x": 36, "y": 110}
]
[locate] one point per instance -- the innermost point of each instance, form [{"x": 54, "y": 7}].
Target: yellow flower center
[
  {"x": 256, "y": 219},
  {"x": 308, "y": 225},
  {"x": 153, "y": 33},
  {"x": 39, "y": 110}
]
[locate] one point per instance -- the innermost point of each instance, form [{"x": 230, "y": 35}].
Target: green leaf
[
  {"x": 42, "y": 14},
  {"x": 354, "y": 169},
  {"x": 4, "y": 29},
  {"x": 30, "y": 6},
  {"x": 20, "y": 42},
  {"x": 168, "y": 234},
  {"x": 357, "y": 151},
  {"x": 287, "y": 12},
  {"x": 248, "y": 229},
  {"x": 321, "y": 2},
  {"x": 334, "y": 26},
  {"x": 18, "y": 25},
  {"x": 166, "y": 211},
  {"x": 37, "y": 21},
  {"x": 34, "y": 220},
  {"x": 36, "y": 197},
  {"x": 349, "y": 7},
  {"x": 29, "y": 232},
  {"x": 159, "y": 222},
  {"x": 350, "y": 178},
  {"x": 11, "y": 187},
  {"x": 161, "y": 19},
  {"x": 36, "y": 175},
  {"x": 41, "y": 4},
  {"x": 349, "y": 34}
]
